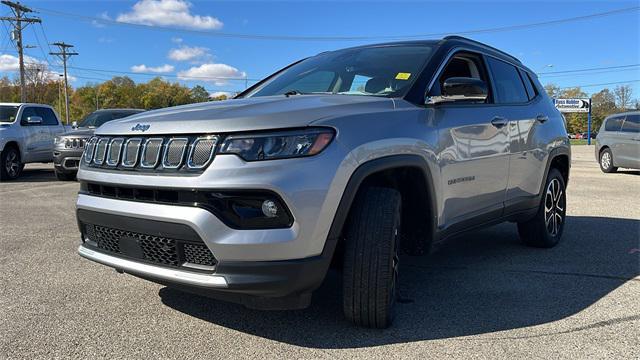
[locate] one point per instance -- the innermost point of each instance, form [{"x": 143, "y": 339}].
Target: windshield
[
  {"x": 377, "y": 71},
  {"x": 98, "y": 118},
  {"x": 8, "y": 113}
]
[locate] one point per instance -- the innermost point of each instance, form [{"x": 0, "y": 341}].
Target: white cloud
[
  {"x": 217, "y": 74},
  {"x": 142, "y": 68},
  {"x": 99, "y": 23},
  {"x": 10, "y": 63},
  {"x": 176, "y": 40},
  {"x": 186, "y": 53},
  {"x": 168, "y": 13},
  {"x": 217, "y": 94}
]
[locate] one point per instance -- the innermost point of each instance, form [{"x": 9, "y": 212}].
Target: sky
[{"x": 203, "y": 42}]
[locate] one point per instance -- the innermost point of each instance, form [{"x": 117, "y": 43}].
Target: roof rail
[{"x": 462, "y": 38}]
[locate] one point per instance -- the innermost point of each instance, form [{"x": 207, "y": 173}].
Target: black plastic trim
[{"x": 219, "y": 202}]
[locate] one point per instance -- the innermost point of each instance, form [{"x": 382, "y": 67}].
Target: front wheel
[
  {"x": 545, "y": 229},
  {"x": 10, "y": 165},
  {"x": 370, "y": 272},
  {"x": 606, "y": 161}
]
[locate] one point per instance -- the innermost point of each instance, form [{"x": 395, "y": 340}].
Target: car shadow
[
  {"x": 478, "y": 283},
  {"x": 629, "y": 172},
  {"x": 37, "y": 174}
]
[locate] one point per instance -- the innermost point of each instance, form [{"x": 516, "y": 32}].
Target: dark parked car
[{"x": 68, "y": 147}]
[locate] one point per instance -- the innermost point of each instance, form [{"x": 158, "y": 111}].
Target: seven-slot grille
[{"x": 152, "y": 153}]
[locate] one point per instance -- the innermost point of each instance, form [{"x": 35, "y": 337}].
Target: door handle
[
  {"x": 499, "y": 121},
  {"x": 542, "y": 118}
]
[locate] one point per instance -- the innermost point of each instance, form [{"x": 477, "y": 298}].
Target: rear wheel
[
  {"x": 606, "y": 161},
  {"x": 545, "y": 229},
  {"x": 370, "y": 272},
  {"x": 10, "y": 165}
]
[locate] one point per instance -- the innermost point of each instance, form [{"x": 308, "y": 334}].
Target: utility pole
[
  {"x": 64, "y": 54},
  {"x": 17, "y": 21},
  {"x": 60, "y": 93}
]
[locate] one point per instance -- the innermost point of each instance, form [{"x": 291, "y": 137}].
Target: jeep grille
[{"x": 189, "y": 153}]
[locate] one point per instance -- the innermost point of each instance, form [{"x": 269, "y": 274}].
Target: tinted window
[
  {"x": 26, "y": 113},
  {"x": 528, "y": 84},
  {"x": 631, "y": 124},
  {"x": 47, "y": 115},
  {"x": 614, "y": 124},
  {"x": 509, "y": 86},
  {"x": 313, "y": 81},
  {"x": 122, "y": 114},
  {"x": 8, "y": 113},
  {"x": 391, "y": 69}
]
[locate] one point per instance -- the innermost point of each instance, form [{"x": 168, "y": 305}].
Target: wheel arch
[
  {"x": 14, "y": 144},
  {"x": 372, "y": 173}
]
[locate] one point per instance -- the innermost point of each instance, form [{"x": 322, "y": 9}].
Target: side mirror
[
  {"x": 74, "y": 125},
  {"x": 461, "y": 89},
  {"x": 34, "y": 120}
]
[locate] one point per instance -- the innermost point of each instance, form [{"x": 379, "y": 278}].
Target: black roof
[{"x": 450, "y": 40}]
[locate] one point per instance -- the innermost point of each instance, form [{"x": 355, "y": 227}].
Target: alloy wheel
[
  {"x": 554, "y": 207},
  {"x": 605, "y": 160},
  {"x": 12, "y": 164}
]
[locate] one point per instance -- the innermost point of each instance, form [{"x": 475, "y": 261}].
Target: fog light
[{"x": 269, "y": 208}]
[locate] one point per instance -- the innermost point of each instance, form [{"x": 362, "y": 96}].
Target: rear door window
[
  {"x": 614, "y": 123},
  {"x": 507, "y": 82},
  {"x": 631, "y": 124},
  {"x": 531, "y": 91}
]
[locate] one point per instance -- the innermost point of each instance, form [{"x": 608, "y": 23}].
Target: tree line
[
  {"x": 603, "y": 103},
  {"x": 119, "y": 92}
]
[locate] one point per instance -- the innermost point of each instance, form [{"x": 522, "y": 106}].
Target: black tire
[
  {"x": 370, "y": 271},
  {"x": 606, "y": 161},
  {"x": 545, "y": 229},
  {"x": 65, "y": 176},
  {"x": 10, "y": 164}
]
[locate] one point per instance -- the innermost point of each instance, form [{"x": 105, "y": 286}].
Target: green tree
[
  {"x": 199, "y": 94},
  {"x": 603, "y": 104}
]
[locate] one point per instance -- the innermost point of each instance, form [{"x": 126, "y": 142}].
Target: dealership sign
[{"x": 573, "y": 105}]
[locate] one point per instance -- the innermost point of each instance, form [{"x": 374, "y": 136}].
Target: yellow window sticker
[{"x": 403, "y": 76}]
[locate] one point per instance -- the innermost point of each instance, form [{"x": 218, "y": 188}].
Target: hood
[
  {"x": 259, "y": 113},
  {"x": 79, "y": 132}
]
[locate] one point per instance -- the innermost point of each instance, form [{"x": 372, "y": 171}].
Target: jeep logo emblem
[{"x": 141, "y": 127}]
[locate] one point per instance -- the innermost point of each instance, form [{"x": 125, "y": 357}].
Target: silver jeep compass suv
[{"x": 346, "y": 158}]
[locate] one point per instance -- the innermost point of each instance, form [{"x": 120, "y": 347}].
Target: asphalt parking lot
[{"x": 483, "y": 295}]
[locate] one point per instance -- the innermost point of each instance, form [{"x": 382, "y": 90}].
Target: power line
[
  {"x": 588, "y": 69},
  {"x": 19, "y": 22},
  {"x": 343, "y": 38},
  {"x": 601, "y": 84},
  {"x": 551, "y": 77}
]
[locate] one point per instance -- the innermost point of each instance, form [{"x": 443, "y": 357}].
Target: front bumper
[
  {"x": 66, "y": 160},
  {"x": 285, "y": 284}
]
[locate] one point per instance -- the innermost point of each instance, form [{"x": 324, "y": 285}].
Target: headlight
[
  {"x": 57, "y": 140},
  {"x": 280, "y": 145}
]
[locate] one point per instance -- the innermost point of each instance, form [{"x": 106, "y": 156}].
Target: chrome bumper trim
[{"x": 162, "y": 273}]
